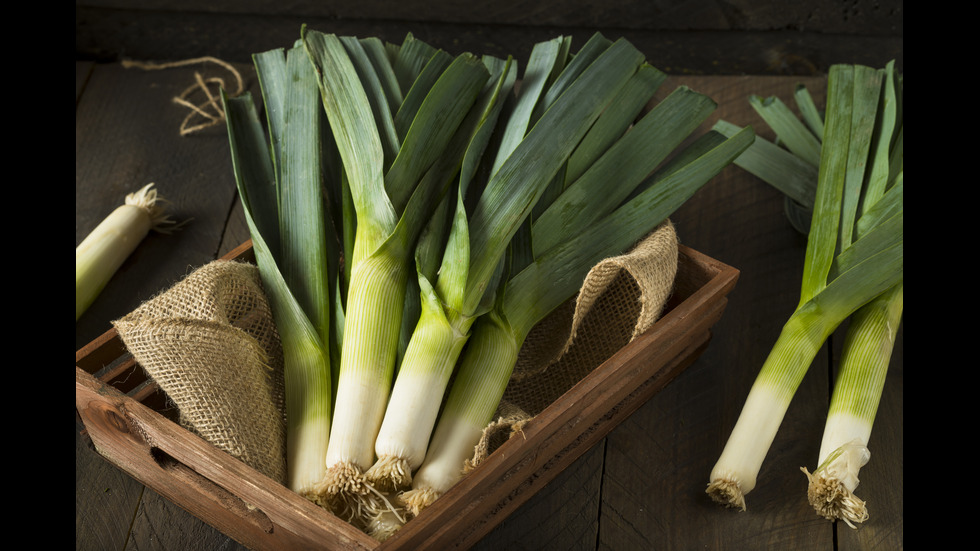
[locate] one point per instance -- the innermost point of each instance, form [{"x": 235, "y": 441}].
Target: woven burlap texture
[
  {"x": 621, "y": 297},
  {"x": 210, "y": 343}
]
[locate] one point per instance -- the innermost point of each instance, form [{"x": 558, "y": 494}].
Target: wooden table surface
[{"x": 643, "y": 486}]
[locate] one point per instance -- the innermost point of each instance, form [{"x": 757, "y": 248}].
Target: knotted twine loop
[
  {"x": 210, "y": 110},
  {"x": 621, "y": 297},
  {"x": 211, "y": 344}
]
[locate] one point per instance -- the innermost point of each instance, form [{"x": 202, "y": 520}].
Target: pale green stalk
[
  {"x": 435, "y": 343},
  {"x": 853, "y": 407}
]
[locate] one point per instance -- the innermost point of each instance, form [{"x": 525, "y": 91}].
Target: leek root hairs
[
  {"x": 345, "y": 492},
  {"x": 728, "y": 492},
  {"x": 832, "y": 485},
  {"x": 417, "y": 499},
  {"x": 390, "y": 474}
]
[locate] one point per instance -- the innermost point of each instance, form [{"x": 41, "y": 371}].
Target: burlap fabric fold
[
  {"x": 210, "y": 343},
  {"x": 621, "y": 297}
]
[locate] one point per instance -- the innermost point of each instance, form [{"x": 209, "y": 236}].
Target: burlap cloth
[{"x": 210, "y": 343}]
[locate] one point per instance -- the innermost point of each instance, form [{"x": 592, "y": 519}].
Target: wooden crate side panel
[{"x": 212, "y": 485}]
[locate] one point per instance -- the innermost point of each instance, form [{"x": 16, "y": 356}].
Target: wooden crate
[{"x": 126, "y": 417}]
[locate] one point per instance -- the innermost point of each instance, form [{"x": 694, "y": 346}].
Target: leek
[
  {"x": 555, "y": 271},
  {"x": 102, "y": 252},
  {"x": 853, "y": 268},
  {"x": 279, "y": 182},
  {"x": 868, "y": 343},
  {"x": 392, "y": 199},
  {"x": 435, "y": 342}
]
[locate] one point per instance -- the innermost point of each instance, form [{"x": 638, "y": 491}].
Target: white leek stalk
[
  {"x": 439, "y": 336},
  {"x": 483, "y": 374},
  {"x": 870, "y": 337},
  {"x": 104, "y": 250}
]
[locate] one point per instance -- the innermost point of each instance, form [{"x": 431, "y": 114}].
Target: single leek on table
[
  {"x": 104, "y": 250},
  {"x": 868, "y": 342},
  {"x": 853, "y": 268}
]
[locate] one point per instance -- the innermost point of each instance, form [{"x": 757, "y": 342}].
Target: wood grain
[{"x": 691, "y": 37}]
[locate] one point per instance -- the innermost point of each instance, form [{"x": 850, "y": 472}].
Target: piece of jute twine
[
  {"x": 203, "y": 102},
  {"x": 210, "y": 343},
  {"x": 620, "y": 298}
]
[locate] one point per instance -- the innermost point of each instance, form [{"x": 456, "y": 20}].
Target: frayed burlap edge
[
  {"x": 621, "y": 297},
  {"x": 211, "y": 345}
]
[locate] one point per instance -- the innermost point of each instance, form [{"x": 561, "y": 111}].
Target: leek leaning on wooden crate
[{"x": 413, "y": 216}]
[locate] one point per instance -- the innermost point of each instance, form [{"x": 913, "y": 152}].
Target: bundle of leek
[
  {"x": 853, "y": 266},
  {"x": 280, "y": 183},
  {"x": 396, "y": 182},
  {"x": 478, "y": 239},
  {"x": 605, "y": 201}
]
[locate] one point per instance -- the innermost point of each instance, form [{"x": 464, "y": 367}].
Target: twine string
[{"x": 209, "y": 111}]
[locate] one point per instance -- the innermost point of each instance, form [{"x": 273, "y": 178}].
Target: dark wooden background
[{"x": 642, "y": 486}]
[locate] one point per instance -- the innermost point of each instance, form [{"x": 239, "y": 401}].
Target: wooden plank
[
  {"x": 882, "y": 17},
  {"x": 83, "y": 69},
  {"x": 804, "y": 49},
  {"x": 106, "y": 499},
  {"x": 160, "y": 524},
  {"x": 563, "y": 515}
]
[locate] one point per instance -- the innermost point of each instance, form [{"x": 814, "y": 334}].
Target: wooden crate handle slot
[{"x": 181, "y": 473}]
